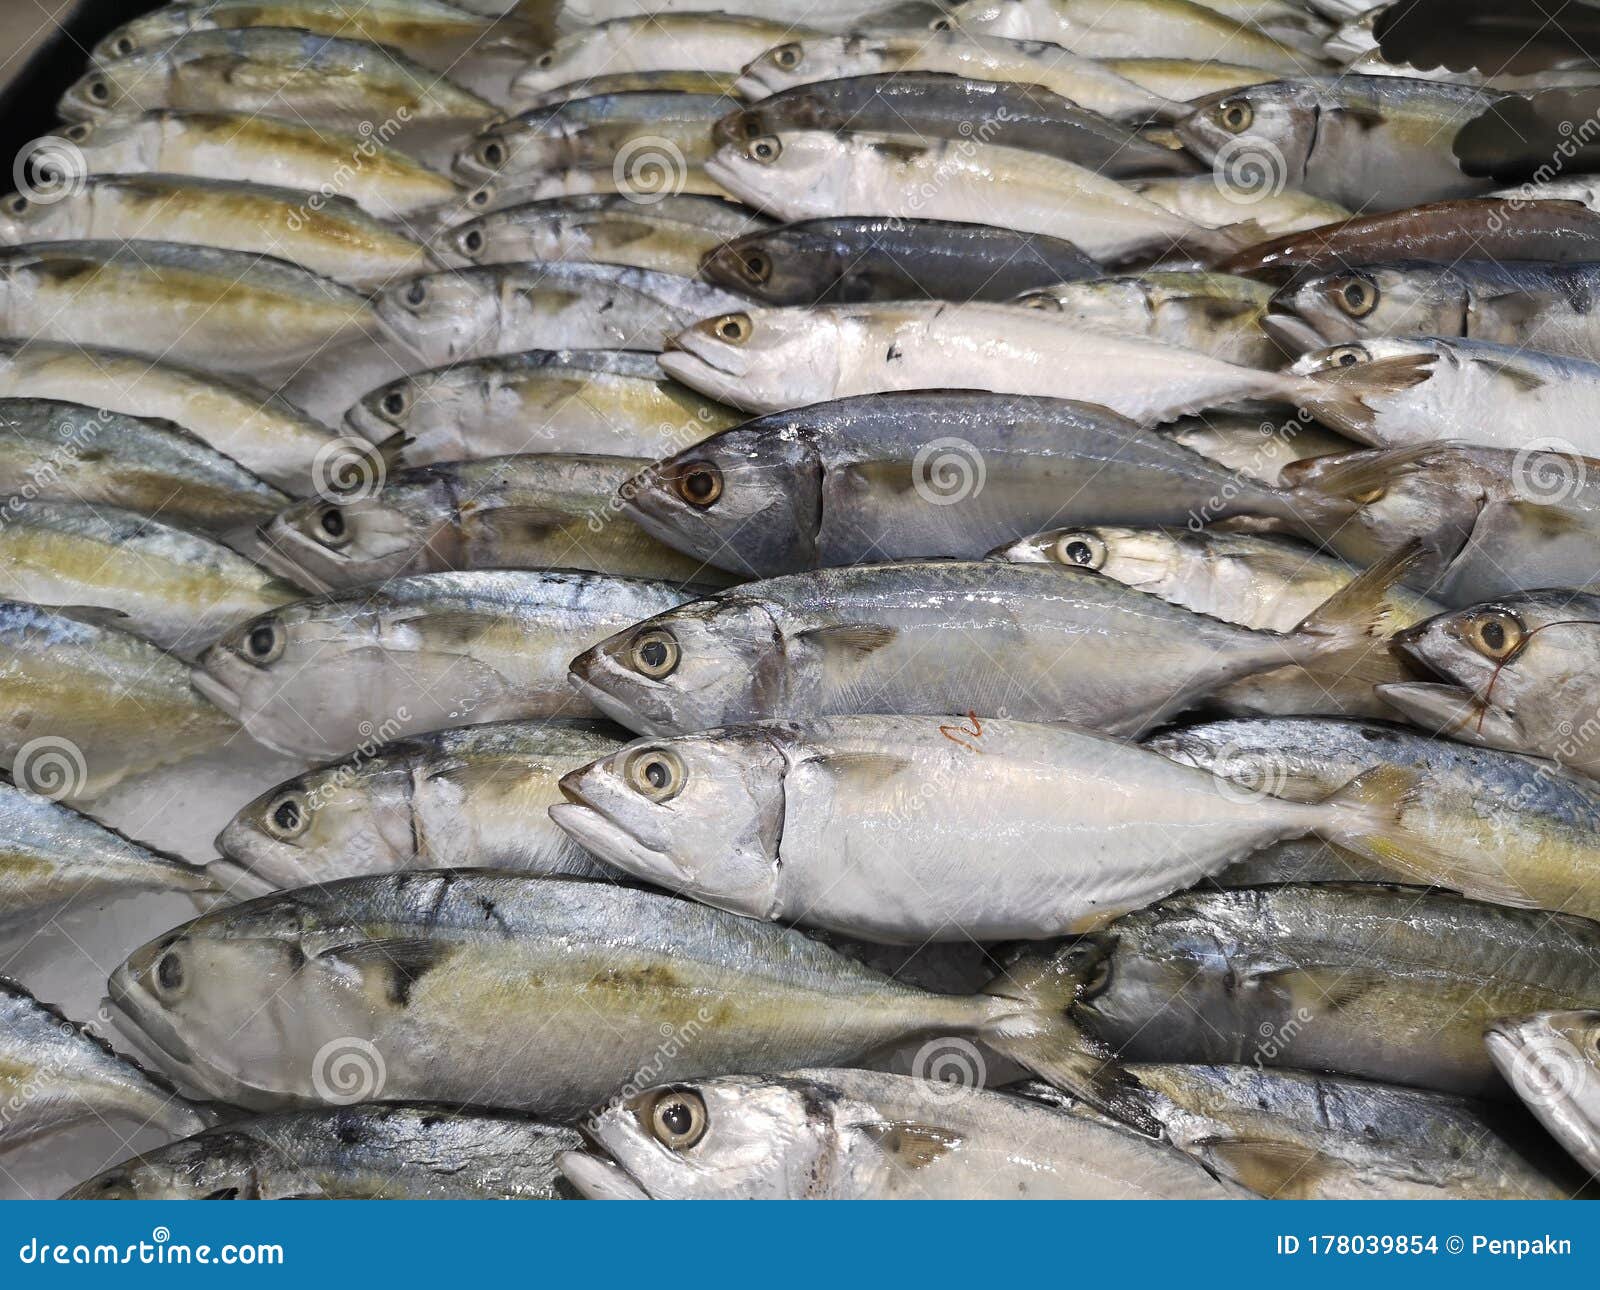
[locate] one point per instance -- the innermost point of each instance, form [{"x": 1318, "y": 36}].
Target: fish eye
[
  {"x": 1358, "y": 297},
  {"x": 735, "y": 329},
  {"x": 493, "y": 154},
  {"x": 416, "y": 293},
  {"x": 396, "y": 403},
  {"x": 1346, "y": 356},
  {"x": 1041, "y": 300},
  {"x": 656, "y": 773},
  {"x": 678, "y": 1119},
  {"x": 1496, "y": 634},
  {"x": 481, "y": 197},
  {"x": 263, "y": 643},
  {"x": 700, "y": 484},
  {"x": 169, "y": 974},
  {"x": 787, "y": 56},
  {"x": 757, "y": 265},
  {"x": 18, "y": 204},
  {"x": 99, "y": 91},
  {"x": 332, "y": 529},
  {"x": 547, "y": 59},
  {"x": 655, "y": 653},
  {"x": 78, "y": 133},
  {"x": 1236, "y": 116},
  {"x": 1082, "y": 549},
  {"x": 939, "y": 24},
  {"x": 288, "y": 816},
  {"x": 766, "y": 149},
  {"x": 472, "y": 242},
  {"x": 123, "y": 46}
]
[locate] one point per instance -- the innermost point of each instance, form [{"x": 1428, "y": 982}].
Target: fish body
[
  {"x": 1201, "y": 199},
  {"x": 686, "y": 81},
  {"x": 1254, "y": 446}
]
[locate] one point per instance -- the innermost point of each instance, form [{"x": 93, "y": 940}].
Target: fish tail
[
  {"x": 1343, "y": 397},
  {"x": 1353, "y": 621},
  {"x": 1358, "y": 473}
]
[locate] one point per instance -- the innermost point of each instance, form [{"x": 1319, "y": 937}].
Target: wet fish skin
[
  {"x": 54, "y": 1073},
  {"x": 1387, "y": 983},
  {"x": 617, "y": 402},
  {"x": 1548, "y": 1058},
  {"x": 841, "y": 260},
  {"x": 529, "y": 511},
  {"x": 1199, "y": 198},
  {"x": 1256, "y": 446},
  {"x": 369, "y": 1151},
  {"x": 826, "y": 1135},
  {"x": 837, "y": 483},
  {"x": 683, "y": 80},
  {"x": 474, "y": 796},
  {"x": 422, "y": 653}
]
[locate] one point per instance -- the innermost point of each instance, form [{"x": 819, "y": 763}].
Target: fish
[
  {"x": 681, "y": 80},
  {"x": 529, "y": 511},
  {"x": 173, "y": 587},
  {"x": 1182, "y": 79},
  {"x": 672, "y": 235},
  {"x": 538, "y": 994},
  {"x": 54, "y": 1073},
  {"x": 245, "y": 148},
  {"x": 926, "y": 108},
  {"x": 1212, "y": 313},
  {"x": 1256, "y": 446},
  {"x": 1547, "y": 307},
  {"x": 265, "y": 434},
  {"x": 700, "y": 42},
  {"x": 1026, "y": 642},
  {"x": 474, "y": 796},
  {"x": 418, "y": 654},
  {"x": 61, "y": 451},
  {"x": 332, "y": 236},
  {"x": 1528, "y": 658},
  {"x": 607, "y": 401},
  {"x": 820, "y": 822},
  {"x": 236, "y": 313},
  {"x": 1379, "y": 982},
  {"x": 1394, "y": 392},
  {"x": 1503, "y": 827},
  {"x": 850, "y": 259},
  {"x": 1140, "y": 28},
  {"x": 588, "y": 13},
  {"x": 85, "y": 706},
  {"x": 52, "y": 855},
  {"x": 767, "y": 360},
  {"x": 1437, "y": 232},
  {"x": 1548, "y": 1058},
  {"x": 371, "y": 1151},
  {"x": 1361, "y": 141},
  {"x": 921, "y": 474},
  {"x": 868, "y": 1135},
  {"x": 1084, "y": 81},
  {"x": 1296, "y": 1135},
  {"x": 1200, "y": 199}
]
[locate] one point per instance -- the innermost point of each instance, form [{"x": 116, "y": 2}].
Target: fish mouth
[
  {"x": 132, "y": 1001},
  {"x": 272, "y": 543},
  {"x": 218, "y": 692},
  {"x": 1291, "y": 331},
  {"x": 597, "y": 1178},
  {"x": 591, "y": 829}
]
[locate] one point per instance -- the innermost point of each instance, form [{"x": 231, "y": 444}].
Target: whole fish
[
  {"x": 531, "y": 993},
  {"x": 1361, "y": 141},
  {"x": 925, "y": 108},
  {"x": 332, "y": 236},
  {"x": 368, "y": 1151},
  {"x": 844, "y": 260},
  {"x": 766, "y": 360},
  {"x": 51, "y": 855},
  {"x": 419, "y": 654},
  {"x": 614, "y": 402},
  {"x": 176, "y": 588},
  {"x": 1200, "y": 199},
  {"x": 529, "y": 511},
  {"x": 815, "y": 823},
  {"x": 1530, "y": 658},
  {"x": 1386, "y": 983},
  {"x": 246, "y": 148},
  {"x": 70, "y": 452},
  {"x": 1502, "y": 827},
  {"x": 262, "y": 432},
  {"x": 1529, "y": 305},
  {"x": 54, "y": 1073},
  {"x": 228, "y": 311},
  {"x": 1393, "y": 392},
  {"x": 1294, "y": 1135},
  {"x": 810, "y": 174},
  {"x": 1439, "y": 232},
  {"x": 684, "y": 81},
  {"x": 672, "y": 235},
  {"x": 1085, "y": 81},
  {"x": 701, "y": 42},
  {"x": 1029, "y": 642},
  {"x": 476, "y": 796},
  {"x": 1548, "y": 1059},
  {"x": 868, "y": 1135},
  {"x": 922, "y": 474},
  {"x": 1213, "y": 313},
  {"x": 84, "y": 706}
]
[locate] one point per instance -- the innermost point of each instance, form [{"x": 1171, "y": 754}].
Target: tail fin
[
  {"x": 1039, "y": 1032},
  {"x": 1357, "y": 473},
  {"x": 1342, "y": 396},
  {"x": 1354, "y": 619}
]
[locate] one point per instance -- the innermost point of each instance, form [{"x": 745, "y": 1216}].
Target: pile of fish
[{"x": 986, "y": 599}]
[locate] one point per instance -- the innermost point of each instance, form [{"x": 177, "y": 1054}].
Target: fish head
[
  {"x": 813, "y": 164},
  {"x": 474, "y": 242},
  {"x": 1354, "y": 304},
  {"x": 748, "y": 499},
  {"x": 324, "y": 544},
  {"x": 738, "y": 1137},
  {"x": 820, "y": 58},
  {"x": 1552, "y": 1060},
  {"x": 574, "y": 57},
  {"x": 1140, "y": 558},
  {"x": 1349, "y": 386},
  {"x": 112, "y": 145},
  {"x": 489, "y": 152},
  {"x": 118, "y": 88},
  {"x": 149, "y": 32},
  {"x": 443, "y": 317},
  {"x": 783, "y": 266},
  {"x": 396, "y": 407},
  {"x": 761, "y": 359},
  {"x": 1254, "y": 133},
  {"x": 700, "y": 814},
  {"x": 27, "y": 219},
  {"x": 712, "y": 662}
]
